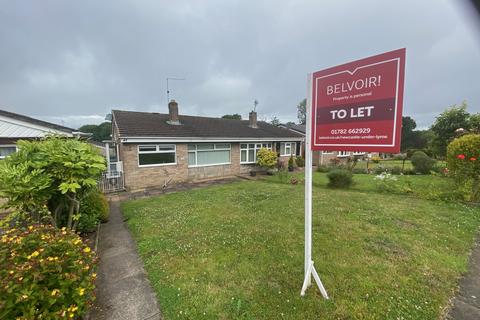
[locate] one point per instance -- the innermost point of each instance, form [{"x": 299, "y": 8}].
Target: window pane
[
  {"x": 251, "y": 155},
  {"x": 288, "y": 150},
  {"x": 147, "y": 148},
  {"x": 282, "y": 148},
  {"x": 191, "y": 159},
  {"x": 166, "y": 147},
  {"x": 5, "y": 151},
  {"x": 222, "y": 146},
  {"x": 156, "y": 158},
  {"x": 213, "y": 157},
  {"x": 205, "y": 146},
  {"x": 243, "y": 156},
  {"x": 243, "y": 146},
  {"x": 251, "y": 146},
  {"x": 191, "y": 147},
  {"x": 259, "y": 145}
]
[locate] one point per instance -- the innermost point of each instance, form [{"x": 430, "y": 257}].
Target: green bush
[
  {"x": 266, "y": 158},
  {"x": 422, "y": 163},
  {"x": 300, "y": 162},
  {"x": 340, "y": 178},
  {"x": 291, "y": 163},
  {"x": 45, "y": 273},
  {"x": 395, "y": 170},
  {"x": 464, "y": 166},
  {"x": 323, "y": 168},
  {"x": 93, "y": 210},
  {"x": 47, "y": 178}
]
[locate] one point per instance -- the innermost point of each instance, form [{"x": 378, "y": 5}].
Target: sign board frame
[
  {"x": 394, "y": 124},
  {"x": 368, "y": 93}
]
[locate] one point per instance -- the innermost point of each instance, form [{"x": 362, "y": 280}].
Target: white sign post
[{"x": 309, "y": 267}]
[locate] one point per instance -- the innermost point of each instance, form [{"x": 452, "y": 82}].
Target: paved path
[
  {"x": 123, "y": 289},
  {"x": 466, "y": 305}
]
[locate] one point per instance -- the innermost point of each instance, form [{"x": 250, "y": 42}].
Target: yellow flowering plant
[{"x": 44, "y": 274}]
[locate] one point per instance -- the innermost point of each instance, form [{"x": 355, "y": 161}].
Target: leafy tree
[
  {"x": 446, "y": 124},
  {"x": 99, "y": 132},
  {"x": 275, "y": 121},
  {"x": 289, "y": 123},
  {"x": 302, "y": 111},
  {"x": 408, "y": 133},
  {"x": 475, "y": 123},
  {"x": 49, "y": 177},
  {"x": 234, "y": 116}
]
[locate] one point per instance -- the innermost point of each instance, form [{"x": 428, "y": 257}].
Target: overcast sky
[{"x": 71, "y": 62}]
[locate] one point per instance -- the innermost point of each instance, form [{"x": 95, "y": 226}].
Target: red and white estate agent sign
[
  {"x": 357, "y": 106},
  {"x": 353, "y": 107}
]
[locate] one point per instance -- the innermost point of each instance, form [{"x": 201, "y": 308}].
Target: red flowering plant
[
  {"x": 45, "y": 273},
  {"x": 463, "y": 165}
]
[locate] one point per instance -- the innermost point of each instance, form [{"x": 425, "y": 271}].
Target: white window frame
[
  {"x": 292, "y": 146},
  {"x": 157, "y": 147},
  {"x": 356, "y": 153},
  {"x": 8, "y": 146},
  {"x": 257, "y": 146},
  {"x": 343, "y": 153},
  {"x": 214, "y": 149}
]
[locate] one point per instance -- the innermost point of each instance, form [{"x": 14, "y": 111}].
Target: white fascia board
[
  {"x": 193, "y": 139},
  {"x": 34, "y": 126}
]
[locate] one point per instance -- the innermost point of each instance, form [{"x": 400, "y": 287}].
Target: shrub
[
  {"x": 464, "y": 165},
  {"x": 46, "y": 179},
  {"x": 45, "y": 273},
  {"x": 340, "y": 178},
  {"x": 395, "y": 170},
  {"x": 323, "y": 168},
  {"x": 93, "y": 210},
  {"x": 422, "y": 163},
  {"x": 300, "y": 162},
  {"x": 266, "y": 158},
  {"x": 291, "y": 163}
]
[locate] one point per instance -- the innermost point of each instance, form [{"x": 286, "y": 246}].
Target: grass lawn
[
  {"x": 390, "y": 164},
  {"x": 236, "y": 251}
]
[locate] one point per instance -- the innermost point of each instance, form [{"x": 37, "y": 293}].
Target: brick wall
[
  {"x": 144, "y": 177},
  {"x": 137, "y": 178}
]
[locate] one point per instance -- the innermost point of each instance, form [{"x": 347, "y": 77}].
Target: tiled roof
[
  {"x": 23, "y": 118},
  {"x": 147, "y": 124}
]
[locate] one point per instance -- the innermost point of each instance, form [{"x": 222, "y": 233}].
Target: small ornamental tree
[
  {"x": 266, "y": 158},
  {"x": 463, "y": 164},
  {"x": 46, "y": 179},
  {"x": 421, "y": 162}
]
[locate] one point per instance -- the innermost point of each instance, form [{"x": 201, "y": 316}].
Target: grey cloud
[{"x": 75, "y": 61}]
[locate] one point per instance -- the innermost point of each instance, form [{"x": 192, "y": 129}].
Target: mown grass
[{"x": 236, "y": 251}]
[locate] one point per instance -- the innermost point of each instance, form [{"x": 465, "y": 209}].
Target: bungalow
[
  {"x": 14, "y": 127},
  {"x": 154, "y": 149},
  {"x": 325, "y": 157}
]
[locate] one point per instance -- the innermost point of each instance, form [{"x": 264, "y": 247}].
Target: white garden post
[{"x": 309, "y": 267}]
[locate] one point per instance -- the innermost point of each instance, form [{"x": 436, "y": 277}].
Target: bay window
[
  {"x": 248, "y": 151},
  {"x": 208, "y": 154},
  {"x": 156, "y": 155}
]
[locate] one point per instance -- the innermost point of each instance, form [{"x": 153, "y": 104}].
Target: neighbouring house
[
  {"x": 325, "y": 157},
  {"x": 14, "y": 127},
  {"x": 155, "y": 149}
]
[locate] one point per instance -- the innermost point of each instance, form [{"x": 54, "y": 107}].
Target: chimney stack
[
  {"x": 173, "y": 112},
  {"x": 252, "y": 117}
]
